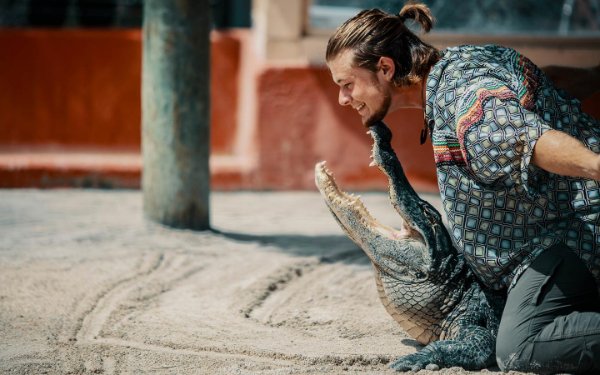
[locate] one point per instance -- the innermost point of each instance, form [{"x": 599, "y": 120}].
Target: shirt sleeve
[{"x": 497, "y": 135}]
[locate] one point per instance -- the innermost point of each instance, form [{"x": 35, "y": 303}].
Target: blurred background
[{"x": 70, "y": 72}]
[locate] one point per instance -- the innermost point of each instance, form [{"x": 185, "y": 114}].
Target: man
[{"x": 518, "y": 168}]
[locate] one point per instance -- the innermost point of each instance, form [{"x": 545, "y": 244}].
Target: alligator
[{"x": 423, "y": 282}]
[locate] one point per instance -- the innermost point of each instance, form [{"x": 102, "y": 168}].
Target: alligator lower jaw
[{"x": 350, "y": 205}]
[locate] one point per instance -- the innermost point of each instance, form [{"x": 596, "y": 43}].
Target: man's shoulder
[
  {"x": 470, "y": 50},
  {"x": 486, "y": 60}
]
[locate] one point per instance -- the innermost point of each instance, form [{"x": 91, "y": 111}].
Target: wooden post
[{"x": 176, "y": 112}]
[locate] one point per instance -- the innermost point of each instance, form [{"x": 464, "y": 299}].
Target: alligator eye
[{"x": 420, "y": 275}]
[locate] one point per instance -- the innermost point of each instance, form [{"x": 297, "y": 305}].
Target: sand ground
[{"x": 88, "y": 286}]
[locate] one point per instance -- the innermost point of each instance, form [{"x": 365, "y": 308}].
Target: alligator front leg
[
  {"x": 470, "y": 331},
  {"x": 473, "y": 351}
]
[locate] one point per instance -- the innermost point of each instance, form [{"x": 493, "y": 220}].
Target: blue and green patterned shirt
[{"x": 487, "y": 106}]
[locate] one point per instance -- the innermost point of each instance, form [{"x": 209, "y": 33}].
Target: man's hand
[{"x": 559, "y": 153}]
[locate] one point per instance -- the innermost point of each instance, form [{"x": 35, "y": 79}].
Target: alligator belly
[{"x": 416, "y": 327}]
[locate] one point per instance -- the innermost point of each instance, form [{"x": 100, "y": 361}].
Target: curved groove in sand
[
  {"x": 169, "y": 268},
  {"x": 267, "y": 357},
  {"x": 276, "y": 282}
]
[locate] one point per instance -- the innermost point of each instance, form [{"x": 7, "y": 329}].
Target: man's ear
[{"x": 387, "y": 68}]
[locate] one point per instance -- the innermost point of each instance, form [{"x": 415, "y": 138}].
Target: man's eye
[{"x": 347, "y": 85}]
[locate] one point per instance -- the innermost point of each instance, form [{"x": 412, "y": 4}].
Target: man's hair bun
[{"x": 418, "y": 12}]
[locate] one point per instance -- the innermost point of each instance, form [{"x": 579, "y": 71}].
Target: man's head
[
  {"x": 373, "y": 52},
  {"x": 367, "y": 92}
]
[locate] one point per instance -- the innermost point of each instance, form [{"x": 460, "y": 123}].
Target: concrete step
[{"x": 44, "y": 167}]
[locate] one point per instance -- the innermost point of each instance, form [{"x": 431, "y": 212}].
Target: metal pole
[{"x": 176, "y": 112}]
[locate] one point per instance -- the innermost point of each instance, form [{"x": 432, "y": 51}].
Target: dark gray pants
[{"x": 551, "y": 322}]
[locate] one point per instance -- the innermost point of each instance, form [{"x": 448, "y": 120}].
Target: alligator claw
[{"x": 415, "y": 362}]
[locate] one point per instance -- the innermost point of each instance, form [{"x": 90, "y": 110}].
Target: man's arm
[{"x": 559, "y": 153}]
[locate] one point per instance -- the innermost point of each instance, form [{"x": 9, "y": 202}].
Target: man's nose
[{"x": 343, "y": 98}]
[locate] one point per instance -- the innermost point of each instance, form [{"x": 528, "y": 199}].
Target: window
[
  {"x": 71, "y": 13},
  {"x": 492, "y": 17}
]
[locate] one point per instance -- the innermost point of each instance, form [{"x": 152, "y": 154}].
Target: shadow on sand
[{"x": 328, "y": 248}]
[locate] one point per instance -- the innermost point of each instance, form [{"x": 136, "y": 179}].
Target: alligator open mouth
[
  {"x": 403, "y": 251},
  {"x": 352, "y": 207}
]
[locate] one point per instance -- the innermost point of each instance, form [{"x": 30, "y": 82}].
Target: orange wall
[
  {"x": 270, "y": 123},
  {"x": 225, "y": 77},
  {"x": 70, "y": 87},
  {"x": 302, "y": 123},
  {"x": 81, "y": 88}
]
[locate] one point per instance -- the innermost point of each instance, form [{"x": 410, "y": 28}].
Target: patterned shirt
[{"x": 486, "y": 108}]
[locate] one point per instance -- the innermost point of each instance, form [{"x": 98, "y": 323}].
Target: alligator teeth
[{"x": 340, "y": 198}]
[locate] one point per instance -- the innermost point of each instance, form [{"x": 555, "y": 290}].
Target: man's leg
[{"x": 551, "y": 322}]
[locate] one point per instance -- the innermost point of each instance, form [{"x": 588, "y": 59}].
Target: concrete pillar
[{"x": 175, "y": 112}]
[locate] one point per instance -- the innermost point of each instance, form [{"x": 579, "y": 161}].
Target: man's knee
[
  {"x": 512, "y": 344},
  {"x": 506, "y": 351},
  {"x": 570, "y": 343},
  {"x": 512, "y": 357}
]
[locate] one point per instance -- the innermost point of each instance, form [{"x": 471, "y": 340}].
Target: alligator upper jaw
[{"x": 354, "y": 217}]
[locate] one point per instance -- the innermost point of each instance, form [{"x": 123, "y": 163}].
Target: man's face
[{"x": 360, "y": 88}]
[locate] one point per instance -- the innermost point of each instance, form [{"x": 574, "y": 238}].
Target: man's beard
[{"x": 380, "y": 112}]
